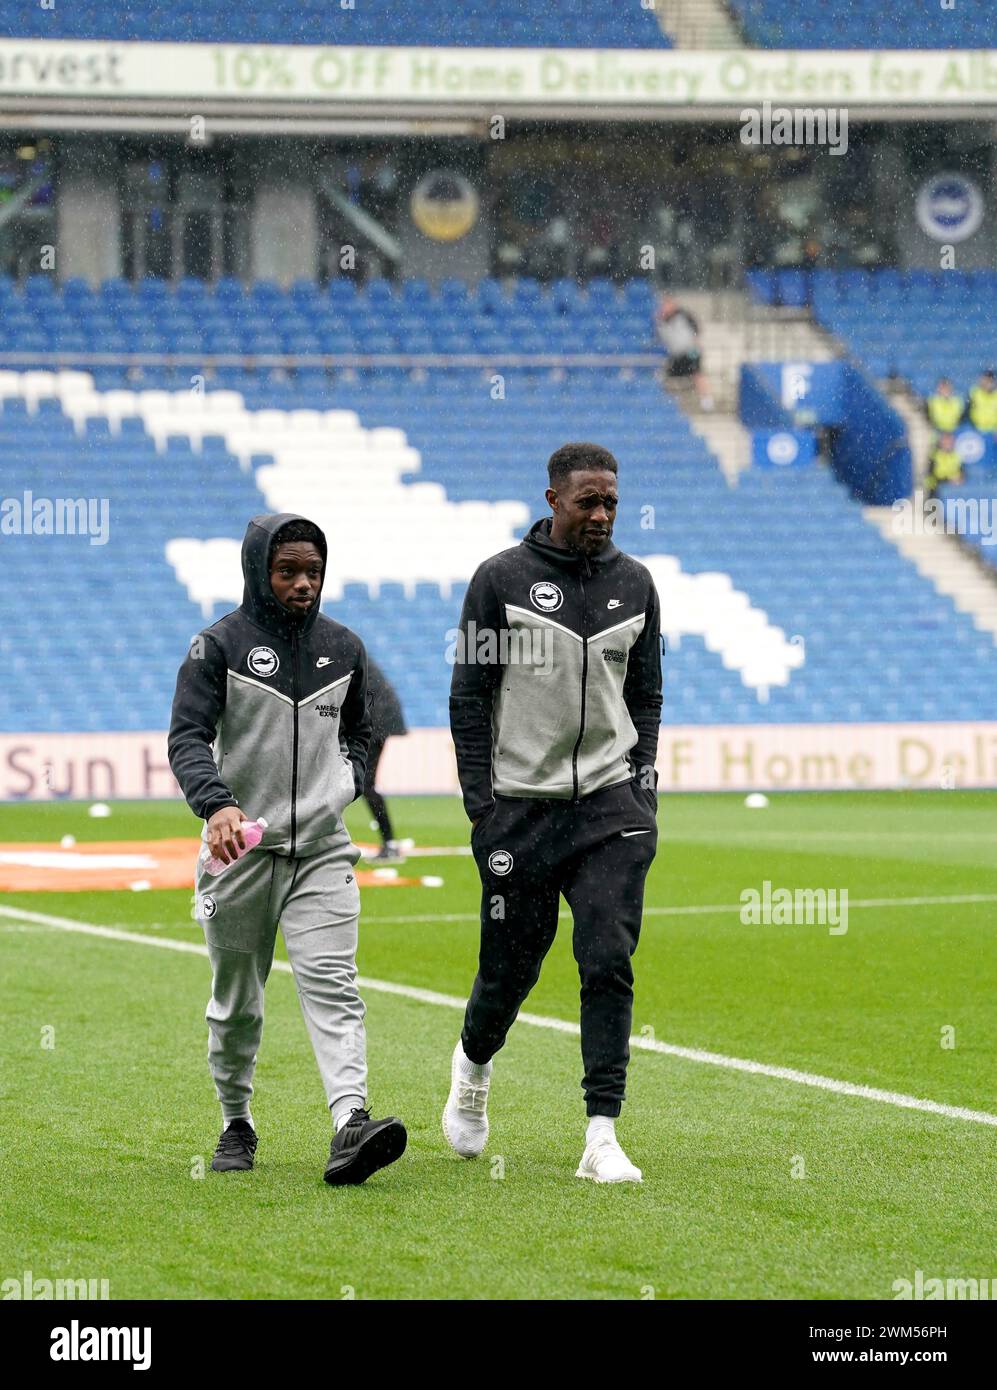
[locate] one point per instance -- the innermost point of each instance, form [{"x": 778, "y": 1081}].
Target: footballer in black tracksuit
[{"x": 555, "y": 724}]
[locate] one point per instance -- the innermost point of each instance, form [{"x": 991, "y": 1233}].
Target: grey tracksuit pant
[{"x": 316, "y": 902}]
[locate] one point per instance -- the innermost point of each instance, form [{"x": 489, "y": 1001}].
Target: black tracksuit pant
[{"x": 597, "y": 852}]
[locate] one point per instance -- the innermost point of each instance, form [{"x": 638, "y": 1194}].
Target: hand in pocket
[{"x": 482, "y": 819}]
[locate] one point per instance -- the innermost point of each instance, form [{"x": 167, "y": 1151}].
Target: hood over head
[{"x": 258, "y": 599}]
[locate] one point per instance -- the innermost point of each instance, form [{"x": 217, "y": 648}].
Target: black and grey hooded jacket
[
  {"x": 556, "y": 685},
  {"x": 271, "y": 712}
]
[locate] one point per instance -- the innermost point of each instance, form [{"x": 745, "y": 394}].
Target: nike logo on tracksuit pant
[{"x": 596, "y": 852}]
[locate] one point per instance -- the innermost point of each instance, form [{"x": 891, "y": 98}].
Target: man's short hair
[
  {"x": 572, "y": 458},
  {"x": 296, "y": 531}
]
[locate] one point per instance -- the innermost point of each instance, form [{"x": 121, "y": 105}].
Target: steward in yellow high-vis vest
[
  {"x": 944, "y": 409},
  {"x": 944, "y": 464},
  {"x": 983, "y": 404}
]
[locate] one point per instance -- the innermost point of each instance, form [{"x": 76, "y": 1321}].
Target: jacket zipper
[
  {"x": 581, "y": 722},
  {"x": 294, "y": 743}
]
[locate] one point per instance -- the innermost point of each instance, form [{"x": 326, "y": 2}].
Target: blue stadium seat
[
  {"x": 866, "y": 24},
  {"x": 797, "y": 546}
]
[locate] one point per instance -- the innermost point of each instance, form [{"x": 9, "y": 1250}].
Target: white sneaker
[
  {"x": 465, "y": 1123},
  {"x": 604, "y": 1161}
]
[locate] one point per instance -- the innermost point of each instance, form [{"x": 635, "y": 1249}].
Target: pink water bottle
[{"x": 252, "y": 833}]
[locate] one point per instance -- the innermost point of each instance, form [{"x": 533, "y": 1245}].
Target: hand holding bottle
[{"x": 229, "y": 836}]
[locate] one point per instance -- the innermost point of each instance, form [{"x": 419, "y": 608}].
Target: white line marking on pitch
[
  {"x": 700, "y": 909},
  {"x": 675, "y": 834},
  {"x": 558, "y": 1025},
  {"x": 944, "y": 836}
]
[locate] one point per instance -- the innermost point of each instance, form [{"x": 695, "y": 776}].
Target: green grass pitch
[{"x": 102, "y": 1134}]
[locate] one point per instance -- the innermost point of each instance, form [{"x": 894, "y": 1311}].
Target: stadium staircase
[
  {"x": 909, "y": 324},
  {"x": 734, "y": 330},
  {"x": 919, "y": 432},
  {"x": 698, "y": 24},
  {"x": 905, "y": 329},
  {"x": 954, "y": 571}
]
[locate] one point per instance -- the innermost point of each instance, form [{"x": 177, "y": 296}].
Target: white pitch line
[
  {"x": 719, "y": 836},
  {"x": 414, "y": 852},
  {"x": 558, "y": 1025},
  {"x": 672, "y": 833},
  {"x": 701, "y": 909}
]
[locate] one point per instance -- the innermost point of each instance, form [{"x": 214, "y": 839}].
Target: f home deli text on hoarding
[{"x": 792, "y": 757}]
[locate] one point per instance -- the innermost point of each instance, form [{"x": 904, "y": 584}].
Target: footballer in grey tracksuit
[{"x": 271, "y": 716}]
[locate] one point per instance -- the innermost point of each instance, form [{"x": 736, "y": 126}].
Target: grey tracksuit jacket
[
  {"x": 567, "y": 699},
  {"x": 271, "y": 713}
]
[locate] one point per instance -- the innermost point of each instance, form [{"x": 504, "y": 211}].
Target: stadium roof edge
[{"x": 458, "y": 121}]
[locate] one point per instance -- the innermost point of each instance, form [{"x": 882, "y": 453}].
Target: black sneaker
[
  {"x": 387, "y": 854},
  {"x": 362, "y": 1146},
  {"x": 236, "y": 1147}
]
